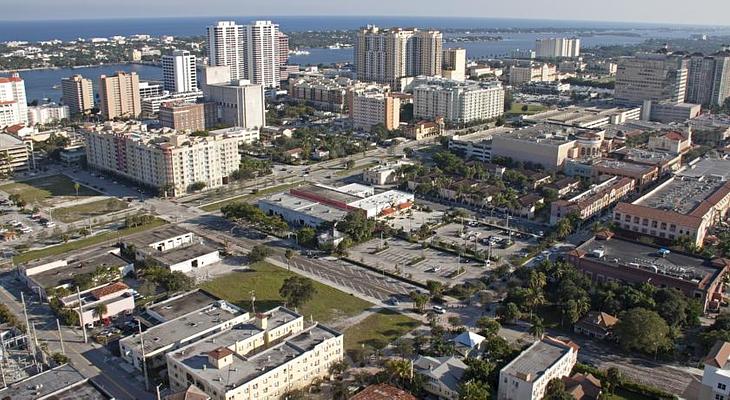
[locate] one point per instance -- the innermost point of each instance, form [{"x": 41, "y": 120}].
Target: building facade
[
  {"x": 13, "y": 104},
  {"x": 656, "y": 77},
  {"x": 179, "y": 72},
  {"x": 77, "y": 94},
  {"x": 261, "y": 53},
  {"x": 238, "y": 103},
  {"x": 454, "y": 64},
  {"x": 716, "y": 374},
  {"x": 375, "y": 107},
  {"x": 119, "y": 95},
  {"x": 457, "y": 102},
  {"x": 557, "y": 48},
  {"x": 47, "y": 113},
  {"x": 708, "y": 81},
  {"x": 225, "y": 47},
  {"x": 183, "y": 116}
]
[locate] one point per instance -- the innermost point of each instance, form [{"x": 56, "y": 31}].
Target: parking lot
[
  {"x": 485, "y": 239},
  {"x": 413, "y": 219},
  {"x": 415, "y": 262}
]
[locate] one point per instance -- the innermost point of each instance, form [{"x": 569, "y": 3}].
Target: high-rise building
[
  {"x": 708, "y": 79},
  {"x": 261, "y": 56},
  {"x": 457, "y": 102},
  {"x": 47, "y": 113},
  {"x": 179, "y": 73},
  {"x": 182, "y": 116},
  {"x": 77, "y": 94},
  {"x": 13, "y": 104},
  {"x": 225, "y": 47},
  {"x": 119, "y": 95},
  {"x": 454, "y": 64},
  {"x": 238, "y": 103},
  {"x": 557, "y": 47},
  {"x": 387, "y": 56},
  {"x": 373, "y": 107},
  {"x": 283, "y": 43},
  {"x": 656, "y": 77}
]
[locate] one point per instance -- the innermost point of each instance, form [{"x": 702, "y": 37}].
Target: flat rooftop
[
  {"x": 313, "y": 208},
  {"x": 708, "y": 167},
  {"x": 324, "y": 192},
  {"x": 64, "y": 275},
  {"x": 545, "y": 133},
  {"x": 681, "y": 194},
  {"x": 624, "y": 167},
  {"x": 182, "y": 253},
  {"x": 645, "y": 156},
  {"x": 577, "y": 116},
  {"x": 65, "y": 381},
  {"x": 183, "y": 304},
  {"x": 640, "y": 256},
  {"x": 146, "y": 238},
  {"x": 537, "y": 359},
  {"x": 481, "y": 135},
  {"x": 385, "y": 199},
  {"x": 183, "y": 328}
]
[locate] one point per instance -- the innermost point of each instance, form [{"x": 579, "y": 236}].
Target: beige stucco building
[
  {"x": 119, "y": 95},
  {"x": 375, "y": 107}
]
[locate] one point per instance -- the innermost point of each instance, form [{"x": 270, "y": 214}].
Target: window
[
  {"x": 719, "y": 397},
  {"x": 721, "y": 386}
]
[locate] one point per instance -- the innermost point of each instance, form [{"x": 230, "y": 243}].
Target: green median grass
[
  {"x": 328, "y": 304},
  {"x": 89, "y": 210},
  {"x": 378, "y": 330},
  {"x": 85, "y": 242},
  {"x": 517, "y": 108},
  {"x": 41, "y": 190}
]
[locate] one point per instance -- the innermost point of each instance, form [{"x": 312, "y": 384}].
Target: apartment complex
[
  {"x": 327, "y": 94},
  {"x": 238, "y": 103},
  {"x": 47, "y": 113},
  {"x": 182, "y": 116},
  {"x": 119, "y": 95},
  {"x": 283, "y": 48},
  {"x": 686, "y": 205},
  {"x": 527, "y": 376},
  {"x": 388, "y": 55},
  {"x": 373, "y": 107},
  {"x": 169, "y": 163},
  {"x": 13, "y": 104},
  {"x": 77, "y": 94},
  {"x": 225, "y": 47},
  {"x": 557, "y": 48},
  {"x": 454, "y": 64},
  {"x": 264, "y": 356},
  {"x": 179, "y": 72},
  {"x": 456, "y": 101},
  {"x": 716, "y": 374},
  {"x": 708, "y": 81},
  {"x": 541, "y": 72},
  {"x": 261, "y": 53},
  {"x": 15, "y": 154},
  {"x": 592, "y": 201},
  {"x": 657, "y": 77}
]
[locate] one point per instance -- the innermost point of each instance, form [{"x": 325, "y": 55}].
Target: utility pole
[
  {"x": 253, "y": 301},
  {"x": 60, "y": 337},
  {"x": 144, "y": 357},
  {"x": 27, "y": 326},
  {"x": 157, "y": 390},
  {"x": 5, "y": 354},
  {"x": 81, "y": 315}
]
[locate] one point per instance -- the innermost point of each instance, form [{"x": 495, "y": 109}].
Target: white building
[
  {"x": 261, "y": 53},
  {"x": 179, "y": 72},
  {"x": 47, "y": 113},
  {"x": 373, "y": 107},
  {"x": 173, "y": 248},
  {"x": 384, "y": 174},
  {"x": 442, "y": 375},
  {"x": 527, "y": 376},
  {"x": 117, "y": 298},
  {"x": 17, "y": 155},
  {"x": 151, "y": 105},
  {"x": 13, "y": 104},
  {"x": 239, "y": 103},
  {"x": 455, "y": 101},
  {"x": 716, "y": 375},
  {"x": 557, "y": 47},
  {"x": 225, "y": 47}
]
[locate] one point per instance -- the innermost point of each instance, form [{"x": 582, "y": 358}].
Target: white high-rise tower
[
  {"x": 225, "y": 47},
  {"x": 261, "y": 53},
  {"x": 178, "y": 72}
]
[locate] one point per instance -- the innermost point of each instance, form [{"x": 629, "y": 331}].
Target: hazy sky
[{"x": 709, "y": 12}]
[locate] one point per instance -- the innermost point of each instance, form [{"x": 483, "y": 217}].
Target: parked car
[{"x": 439, "y": 310}]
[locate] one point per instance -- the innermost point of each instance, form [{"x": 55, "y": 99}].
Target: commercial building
[
  {"x": 226, "y": 48},
  {"x": 606, "y": 259},
  {"x": 13, "y": 104},
  {"x": 172, "y": 247},
  {"x": 17, "y": 155},
  {"x": 116, "y": 298},
  {"x": 543, "y": 144},
  {"x": 454, "y": 64},
  {"x": 442, "y": 375},
  {"x": 238, "y": 103},
  {"x": 62, "y": 382},
  {"x": 533, "y": 72},
  {"x": 716, "y": 374},
  {"x": 261, "y": 53},
  {"x": 184, "y": 117},
  {"x": 47, "y": 113},
  {"x": 527, "y": 376},
  {"x": 657, "y": 77},
  {"x": 78, "y": 94},
  {"x": 675, "y": 142},
  {"x": 686, "y": 205},
  {"x": 151, "y": 105},
  {"x": 708, "y": 81},
  {"x": 150, "y": 89},
  {"x": 264, "y": 356},
  {"x": 179, "y": 72},
  {"x": 593, "y": 201},
  {"x": 389, "y": 55},
  {"x": 455, "y": 101},
  {"x": 373, "y": 107},
  {"x": 478, "y": 145},
  {"x": 585, "y": 117},
  {"x": 169, "y": 163},
  {"x": 557, "y": 48},
  {"x": 119, "y": 95},
  {"x": 421, "y": 130},
  {"x": 642, "y": 174},
  {"x": 664, "y": 161},
  {"x": 384, "y": 174}
]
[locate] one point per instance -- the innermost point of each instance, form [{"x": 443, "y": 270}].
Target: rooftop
[
  {"x": 447, "y": 370},
  {"x": 182, "y": 304},
  {"x": 60, "y": 383},
  {"x": 545, "y": 133},
  {"x": 482, "y": 135},
  {"x": 623, "y": 167},
  {"x": 147, "y": 238},
  {"x": 536, "y": 360},
  {"x": 708, "y": 167},
  {"x": 315, "y": 209},
  {"x": 578, "y": 116},
  {"x": 64, "y": 275},
  {"x": 182, "y": 253},
  {"x": 644, "y": 156},
  {"x": 684, "y": 195},
  {"x": 318, "y": 191},
  {"x": 383, "y": 391}
]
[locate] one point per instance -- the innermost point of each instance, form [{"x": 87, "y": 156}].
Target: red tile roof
[
  {"x": 8, "y": 79},
  {"x": 718, "y": 355},
  {"x": 656, "y": 214},
  {"x": 220, "y": 352},
  {"x": 109, "y": 289},
  {"x": 383, "y": 391}
]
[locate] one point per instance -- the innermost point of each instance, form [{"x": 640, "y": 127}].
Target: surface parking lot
[
  {"x": 413, "y": 219},
  {"x": 478, "y": 235},
  {"x": 415, "y": 262}
]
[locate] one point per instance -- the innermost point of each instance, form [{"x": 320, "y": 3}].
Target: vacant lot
[
  {"x": 248, "y": 197},
  {"x": 89, "y": 210},
  {"x": 47, "y": 191},
  {"x": 328, "y": 305},
  {"x": 378, "y": 329},
  {"x": 519, "y": 108}
]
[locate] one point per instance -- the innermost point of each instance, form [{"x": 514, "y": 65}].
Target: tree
[
  {"x": 357, "y": 226},
  {"x": 289, "y": 254},
  {"x": 436, "y": 288},
  {"x": 99, "y": 310},
  {"x": 297, "y": 290},
  {"x": 349, "y": 164},
  {"x": 509, "y": 313},
  {"x": 474, "y": 390},
  {"x": 614, "y": 378},
  {"x": 537, "y": 329},
  {"x": 307, "y": 237},
  {"x": 419, "y": 300},
  {"x": 478, "y": 370},
  {"x": 176, "y": 281},
  {"x": 556, "y": 390},
  {"x": 59, "y": 358},
  {"x": 196, "y": 186},
  {"x": 258, "y": 253},
  {"x": 488, "y": 326},
  {"x": 643, "y": 330},
  {"x": 398, "y": 371},
  {"x": 77, "y": 186}
]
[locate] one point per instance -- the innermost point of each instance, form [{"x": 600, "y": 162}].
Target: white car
[{"x": 439, "y": 310}]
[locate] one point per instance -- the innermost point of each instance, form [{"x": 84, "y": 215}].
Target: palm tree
[
  {"x": 99, "y": 310},
  {"x": 289, "y": 254},
  {"x": 537, "y": 329},
  {"x": 399, "y": 371},
  {"x": 77, "y": 187}
]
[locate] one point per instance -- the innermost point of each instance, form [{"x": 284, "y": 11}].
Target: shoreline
[{"x": 149, "y": 64}]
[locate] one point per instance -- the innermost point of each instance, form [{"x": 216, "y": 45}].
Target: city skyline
[{"x": 703, "y": 12}]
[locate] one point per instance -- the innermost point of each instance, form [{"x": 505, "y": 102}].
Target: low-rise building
[
  {"x": 583, "y": 387},
  {"x": 716, "y": 374},
  {"x": 592, "y": 201},
  {"x": 15, "y": 155},
  {"x": 478, "y": 145},
  {"x": 172, "y": 247},
  {"x": 596, "y": 324},
  {"x": 542, "y": 144},
  {"x": 586, "y": 117},
  {"x": 384, "y": 174},
  {"x": 323, "y": 93},
  {"x": 527, "y": 376},
  {"x": 669, "y": 111},
  {"x": 442, "y": 375},
  {"x": 47, "y": 113},
  {"x": 100, "y": 303},
  {"x": 675, "y": 142},
  {"x": 62, "y": 382},
  {"x": 532, "y": 72},
  {"x": 564, "y": 186},
  {"x": 424, "y": 129},
  {"x": 383, "y": 391},
  {"x": 664, "y": 161}
]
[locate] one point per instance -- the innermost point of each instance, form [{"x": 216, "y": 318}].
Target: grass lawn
[
  {"x": 85, "y": 242},
  {"x": 40, "y": 190},
  {"x": 622, "y": 394},
  {"x": 378, "y": 329},
  {"x": 531, "y": 109},
  {"x": 327, "y": 305},
  {"x": 246, "y": 197},
  {"x": 92, "y": 209}
]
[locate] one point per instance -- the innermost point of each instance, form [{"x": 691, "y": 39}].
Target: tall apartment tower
[
  {"x": 261, "y": 56},
  {"x": 708, "y": 80},
  {"x": 13, "y": 104},
  {"x": 283, "y": 43},
  {"x": 179, "y": 73},
  {"x": 225, "y": 47},
  {"x": 425, "y": 52},
  {"x": 77, "y": 93},
  {"x": 657, "y": 77},
  {"x": 557, "y": 48},
  {"x": 454, "y": 64},
  {"x": 119, "y": 95}
]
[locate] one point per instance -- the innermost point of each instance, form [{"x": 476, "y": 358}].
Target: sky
[{"x": 700, "y": 12}]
